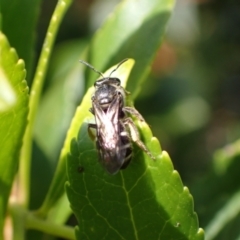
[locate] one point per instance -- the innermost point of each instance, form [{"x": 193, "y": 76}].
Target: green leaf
[
  {"x": 56, "y": 188},
  {"x": 13, "y": 120},
  {"x": 223, "y": 217},
  {"x": 36, "y": 89},
  {"x": 58, "y": 104},
  {"x": 60, "y": 98},
  {"x": 21, "y": 38},
  {"x": 219, "y": 207},
  {"x": 7, "y": 93},
  {"x": 147, "y": 12},
  {"x": 134, "y": 30},
  {"x": 145, "y": 201}
]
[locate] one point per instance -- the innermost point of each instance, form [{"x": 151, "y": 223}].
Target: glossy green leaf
[
  {"x": 13, "y": 120},
  {"x": 135, "y": 29},
  {"x": 145, "y": 201}
]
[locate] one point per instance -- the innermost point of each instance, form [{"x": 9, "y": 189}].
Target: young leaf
[
  {"x": 134, "y": 30},
  {"x": 13, "y": 120},
  {"x": 145, "y": 201}
]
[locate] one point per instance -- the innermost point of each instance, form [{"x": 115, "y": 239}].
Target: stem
[
  {"x": 32, "y": 222},
  {"x": 18, "y": 215},
  {"x": 25, "y": 158},
  {"x": 25, "y": 219}
]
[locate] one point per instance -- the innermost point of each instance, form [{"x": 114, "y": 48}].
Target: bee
[{"x": 115, "y": 129}]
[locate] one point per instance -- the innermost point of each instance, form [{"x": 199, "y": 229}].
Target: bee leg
[
  {"x": 90, "y": 133},
  {"x": 91, "y": 110},
  {"x": 135, "y": 136},
  {"x": 134, "y": 112}
]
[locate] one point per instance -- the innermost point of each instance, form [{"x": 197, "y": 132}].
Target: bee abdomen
[{"x": 127, "y": 147}]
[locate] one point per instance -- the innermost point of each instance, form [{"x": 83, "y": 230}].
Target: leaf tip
[
  {"x": 14, "y": 53},
  {"x": 200, "y": 234},
  {"x": 164, "y": 154},
  {"x": 156, "y": 146},
  {"x": 186, "y": 190},
  {"x": 21, "y": 63},
  {"x": 24, "y": 87}
]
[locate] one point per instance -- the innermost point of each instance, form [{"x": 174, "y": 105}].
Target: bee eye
[
  {"x": 97, "y": 83},
  {"x": 117, "y": 82}
]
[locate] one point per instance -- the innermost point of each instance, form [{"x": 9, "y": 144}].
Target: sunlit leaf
[
  {"x": 12, "y": 121},
  {"x": 134, "y": 30},
  {"x": 145, "y": 201},
  {"x": 7, "y": 93}
]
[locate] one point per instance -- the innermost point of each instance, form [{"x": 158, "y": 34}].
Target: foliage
[
  {"x": 13, "y": 116},
  {"x": 45, "y": 143}
]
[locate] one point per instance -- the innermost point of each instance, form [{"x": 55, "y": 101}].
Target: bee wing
[{"x": 111, "y": 149}]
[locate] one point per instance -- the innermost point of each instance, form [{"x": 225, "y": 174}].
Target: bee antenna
[
  {"x": 124, "y": 60},
  {"x": 90, "y": 66}
]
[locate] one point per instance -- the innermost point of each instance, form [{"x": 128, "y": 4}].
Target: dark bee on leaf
[{"x": 115, "y": 130}]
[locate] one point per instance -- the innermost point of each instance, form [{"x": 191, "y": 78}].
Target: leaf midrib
[{"x": 130, "y": 208}]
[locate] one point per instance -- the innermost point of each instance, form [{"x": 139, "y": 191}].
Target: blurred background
[
  {"x": 193, "y": 89},
  {"x": 191, "y": 98}
]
